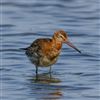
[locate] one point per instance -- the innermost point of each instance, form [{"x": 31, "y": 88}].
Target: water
[{"x": 75, "y": 76}]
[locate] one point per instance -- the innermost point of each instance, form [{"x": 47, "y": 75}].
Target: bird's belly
[
  {"x": 45, "y": 62},
  {"x": 33, "y": 59}
]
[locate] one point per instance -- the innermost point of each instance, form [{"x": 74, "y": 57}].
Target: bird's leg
[
  {"x": 50, "y": 75},
  {"x": 50, "y": 69},
  {"x": 36, "y": 72}
]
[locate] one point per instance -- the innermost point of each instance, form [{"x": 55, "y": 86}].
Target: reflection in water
[
  {"x": 43, "y": 87},
  {"x": 45, "y": 78}
]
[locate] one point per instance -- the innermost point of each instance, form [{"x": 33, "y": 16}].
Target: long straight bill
[{"x": 71, "y": 45}]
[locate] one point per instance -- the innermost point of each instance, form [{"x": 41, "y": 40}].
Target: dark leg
[
  {"x": 50, "y": 69},
  {"x": 50, "y": 72},
  {"x": 36, "y": 72}
]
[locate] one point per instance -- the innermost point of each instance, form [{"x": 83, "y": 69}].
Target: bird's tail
[{"x": 23, "y": 48}]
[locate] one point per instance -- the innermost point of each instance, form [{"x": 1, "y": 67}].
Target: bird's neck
[{"x": 56, "y": 44}]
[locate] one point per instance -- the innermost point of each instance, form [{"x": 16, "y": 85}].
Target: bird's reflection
[
  {"x": 45, "y": 78},
  {"x": 45, "y": 88}
]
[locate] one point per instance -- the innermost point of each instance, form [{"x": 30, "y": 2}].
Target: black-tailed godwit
[{"x": 44, "y": 52}]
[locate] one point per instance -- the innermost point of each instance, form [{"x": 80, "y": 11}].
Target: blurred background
[{"x": 75, "y": 76}]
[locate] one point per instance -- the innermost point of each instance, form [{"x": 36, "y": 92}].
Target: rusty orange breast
[{"x": 59, "y": 46}]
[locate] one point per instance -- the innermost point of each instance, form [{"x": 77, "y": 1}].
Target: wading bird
[{"x": 44, "y": 52}]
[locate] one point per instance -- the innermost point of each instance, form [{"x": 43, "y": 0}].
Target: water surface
[{"x": 75, "y": 76}]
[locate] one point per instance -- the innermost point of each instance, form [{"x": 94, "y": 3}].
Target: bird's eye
[{"x": 61, "y": 36}]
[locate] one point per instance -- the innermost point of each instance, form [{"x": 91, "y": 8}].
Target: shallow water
[{"x": 75, "y": 76}]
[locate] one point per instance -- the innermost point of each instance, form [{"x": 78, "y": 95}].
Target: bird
[{"x": 44, "y": 52}]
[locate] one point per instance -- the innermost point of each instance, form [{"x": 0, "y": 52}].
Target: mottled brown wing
[{"x": 39, "y": 47}]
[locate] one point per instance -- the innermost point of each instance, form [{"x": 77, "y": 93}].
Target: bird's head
[{"x": 61, "y": 36}]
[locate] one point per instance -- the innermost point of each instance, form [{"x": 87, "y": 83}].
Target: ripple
[
  {"x": 24, "y": 5},
  {"x": 78, "y": 55},
  {"x": 5, "y": 69},
  {"x": 95, "y": 97},
  {"x": 26, "y": 34},
  {"x": 7, "y": 50},
  {"x": 79, "y": 73},
  {"x": 90, "y": 74},
  {"x": 73, "y": 78},
  {"x": 6, "y": 25}
]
